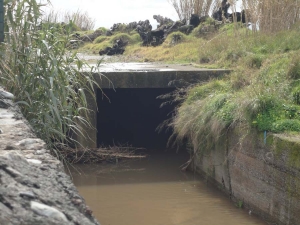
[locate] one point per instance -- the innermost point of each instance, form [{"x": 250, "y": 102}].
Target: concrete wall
[
  {"x": 264, "y": 176},
  {"x": 140, "y": 79}
]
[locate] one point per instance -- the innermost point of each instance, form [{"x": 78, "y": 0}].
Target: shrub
[
  {"x": 100, "y": 39},
  {"x": 123, "y": 36},
  {"x": 175, "y": 38}
]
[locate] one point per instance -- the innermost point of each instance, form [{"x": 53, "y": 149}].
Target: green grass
[{"x": 103, "y": 41}]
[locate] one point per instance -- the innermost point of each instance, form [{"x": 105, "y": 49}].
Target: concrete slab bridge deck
[
  {"x": 152, "y": 75},
  {"x": 114, "y": 76}
]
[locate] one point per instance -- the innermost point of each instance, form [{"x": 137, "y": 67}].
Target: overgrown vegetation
[
  {"x": 37, "y": 67},
  {"x": 262, "y": 92}
]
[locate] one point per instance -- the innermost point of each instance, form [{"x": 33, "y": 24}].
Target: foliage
[{"x": 36, "y": 66}]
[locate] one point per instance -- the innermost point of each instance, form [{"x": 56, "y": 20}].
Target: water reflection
[{"x": 154, "y": 191}]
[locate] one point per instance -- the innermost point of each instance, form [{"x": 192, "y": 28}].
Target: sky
[{"x": 108, "y": 12}]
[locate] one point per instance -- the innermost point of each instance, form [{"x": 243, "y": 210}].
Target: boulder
[
  {"x": 195, "y": 20},
  {"x": 117, "y": 49},
  {"x": 186, "y": 29}
]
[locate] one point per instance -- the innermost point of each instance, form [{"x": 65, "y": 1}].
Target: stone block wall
[
  {"x": 34, "y": 189},
  {"x": 263, "y": 174}
]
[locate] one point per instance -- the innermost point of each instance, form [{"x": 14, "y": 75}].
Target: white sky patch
[{"x": 108, "y": 12}]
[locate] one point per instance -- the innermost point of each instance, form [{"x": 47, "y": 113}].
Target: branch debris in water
[{"x": 96, "y": 155}]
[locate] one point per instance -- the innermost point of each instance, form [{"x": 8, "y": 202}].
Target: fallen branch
[{"x": 96, "y": 155}]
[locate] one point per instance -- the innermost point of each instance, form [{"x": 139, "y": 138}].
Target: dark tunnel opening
[{"x": 131, "y": 116}]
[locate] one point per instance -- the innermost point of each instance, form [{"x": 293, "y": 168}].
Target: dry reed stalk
[
  {"x": 79, "y": 18},
  {"x": 185, "y": 8},
  {"x": 96, "y": 155},
  {"x": 273, "y": 15}
]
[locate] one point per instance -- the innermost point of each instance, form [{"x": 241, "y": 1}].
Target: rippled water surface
[{"x": 154, "y": 191}]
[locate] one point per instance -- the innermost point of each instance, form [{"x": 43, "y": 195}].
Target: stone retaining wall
[
  {"x": 262, "y": 174},
  {"x": 34, "y": 188}
]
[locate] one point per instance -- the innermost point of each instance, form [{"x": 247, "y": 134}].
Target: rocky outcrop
[
  {"x": 162, "y": 20},
  {"x": 167, "y": 26},
  {"x": 34, "y": 189}
]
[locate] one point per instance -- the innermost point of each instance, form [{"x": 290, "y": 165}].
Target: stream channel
[{"x": 154, "y": 191}]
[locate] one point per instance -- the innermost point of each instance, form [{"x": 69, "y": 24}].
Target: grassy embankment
[{"x": 262, "y": 92}]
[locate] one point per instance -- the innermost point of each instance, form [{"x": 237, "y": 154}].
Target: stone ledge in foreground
[{"x": 34, "y": 188}]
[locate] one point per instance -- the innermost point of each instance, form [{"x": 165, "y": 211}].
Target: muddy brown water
[{"x": 154, "y": 191}]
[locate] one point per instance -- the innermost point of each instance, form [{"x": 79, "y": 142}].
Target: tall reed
[
  {"x": 36, "y": 66},
  {"x": 185, "y": 8},
  {"x": 272, "y": 15}
]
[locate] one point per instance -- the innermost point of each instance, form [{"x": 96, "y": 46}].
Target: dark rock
[
  {"x": 131, "y": 26},
  {"x": 156, "y": 37},
  {"x": 12, "y": 172},
  {"x": 118, "y": 27},
  {"x": 186, "y": 29},
  {"x": 10, "y": 147},
  {"x": 144, "y": 29},
  {"x": 4, "y": 103},
  {"x": 195, "y": 20},
  {"x": 162, "y": 20},
  {"x": 117, "y": 49},
  {"x": 222, "y": 12},
  {"x": 27, "y": 194}
]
